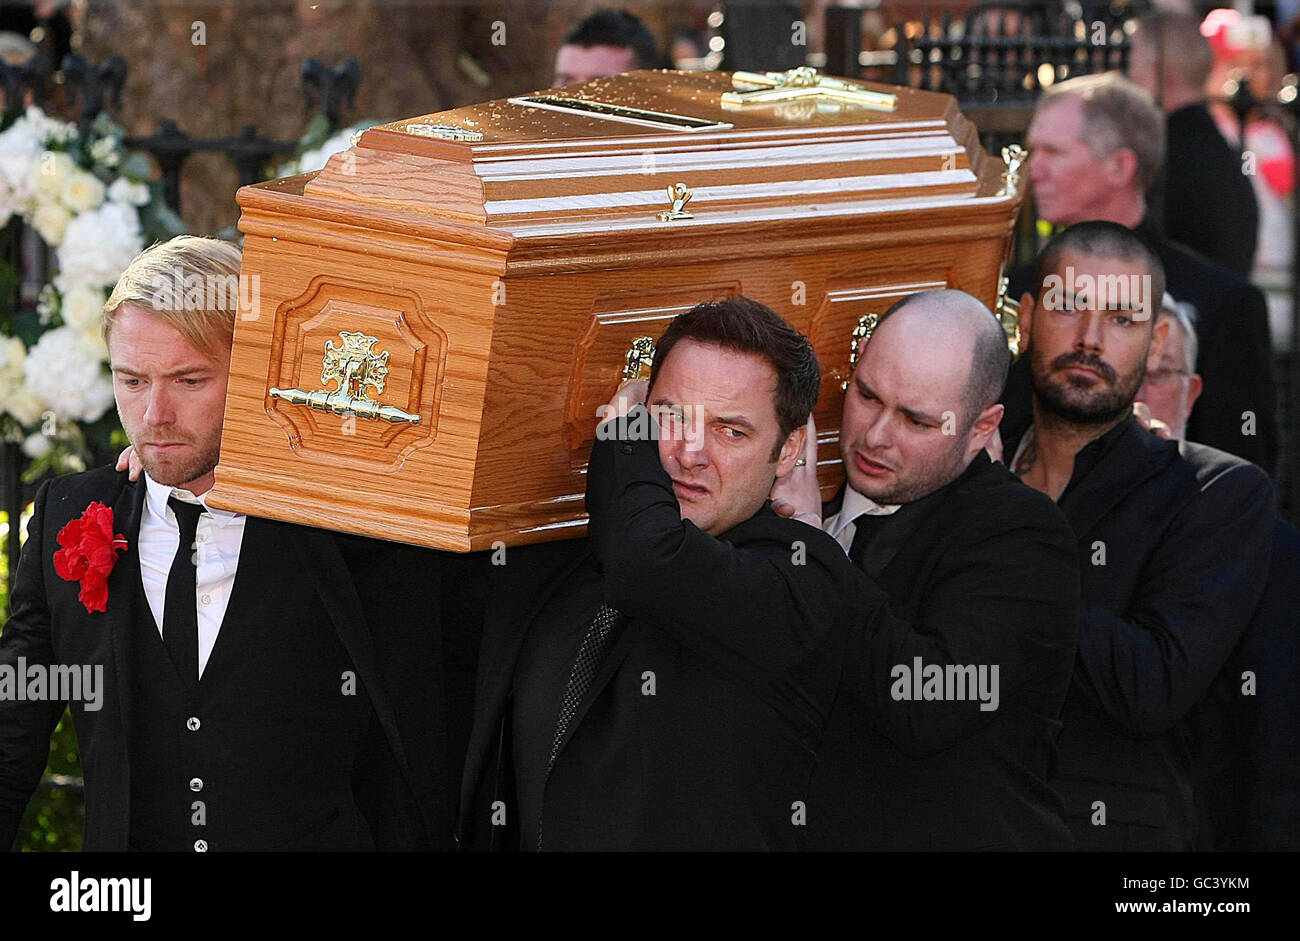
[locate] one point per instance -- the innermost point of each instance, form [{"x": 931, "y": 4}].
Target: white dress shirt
[
  {"x": 840, "y": 525},
  {"x": 218, "y": 538}
]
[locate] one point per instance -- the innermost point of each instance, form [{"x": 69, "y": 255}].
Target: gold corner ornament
[
  {"x": 770, "y": 88},
  {"x": 866, "y": 326},
  {"x": 355, "y": 366},
  {"x": 442, "y": 132},
  {"x": 1014, "y": 156},
  {"x": 678, "y": 195},
  {"x": 1008, "y": 313},
  {"x": 640, "y": 358}
]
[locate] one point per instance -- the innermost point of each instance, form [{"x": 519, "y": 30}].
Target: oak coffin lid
[
  {"x": 553, "y": 176},
  {"x": 570, "y": 198}
]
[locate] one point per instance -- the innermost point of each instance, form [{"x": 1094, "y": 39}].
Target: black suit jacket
[
  {"x": 743, "y": 634},
  {"x": 980, "y": 572},
  {"x": 1234, "y": 358},
  {"x": 394, "y": 785},
  {"x": 1173, "y": 541},
  {"x": 1248, "y": 766},
  {"x": 1209, "y": 203}
]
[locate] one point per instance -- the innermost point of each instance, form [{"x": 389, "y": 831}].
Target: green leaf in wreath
[
  {"x": 9, "y": 281},
  {"x": 27, "y": 326},
  {"x": 105, "y": 126},
  {"x": 318, "y": 128},
  {"x": 138, "y": 167},
  {"x": 159, "y": 222}
]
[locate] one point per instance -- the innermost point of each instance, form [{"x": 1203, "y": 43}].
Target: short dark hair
[
  {"x": 1098, "y": 239},
  {"x": 746, "y": 326},
  {"x": 619, "y": 29},
  {"x": 989, "y": 365}
]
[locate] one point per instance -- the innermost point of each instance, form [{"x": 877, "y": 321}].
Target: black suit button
[{"x": 627, "y": 449}]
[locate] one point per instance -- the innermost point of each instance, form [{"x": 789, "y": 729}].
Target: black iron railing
[{"x": 996, "y": 59}]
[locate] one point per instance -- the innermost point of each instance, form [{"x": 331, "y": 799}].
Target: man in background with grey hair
[
  {"x": 1171, "y": 389},
  {"x": 1097, "y": 144}
]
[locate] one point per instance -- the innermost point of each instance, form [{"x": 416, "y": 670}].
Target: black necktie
[
  {"x": 590, "y": 654},
  {"x": 180, "y": 614},
  {"x": 865, "y": 528}
]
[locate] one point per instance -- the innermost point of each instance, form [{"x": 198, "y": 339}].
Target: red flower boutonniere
[{"x": 90, "y": 550}]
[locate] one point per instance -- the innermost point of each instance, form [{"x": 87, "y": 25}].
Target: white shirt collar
[
  {"x": 855, "y": 504},
  {"x": 156, "y": 496}
]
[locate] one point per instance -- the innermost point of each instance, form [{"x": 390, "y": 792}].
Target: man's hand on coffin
[
  {"x": 797, "y": 495},
  {"x": 629, "y": 394},
  {"x": 129, "y": 461}
]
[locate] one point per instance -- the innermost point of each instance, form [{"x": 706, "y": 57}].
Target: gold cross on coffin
[{"x": 770, "y": 88}]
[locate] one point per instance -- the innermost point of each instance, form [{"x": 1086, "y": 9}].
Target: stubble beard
[
  {"x": 173, "y": 473},
  {"x": 927, "y": 478},
  {"x": 1086, "y": 406}
]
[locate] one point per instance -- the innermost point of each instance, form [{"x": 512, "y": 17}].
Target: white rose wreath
[{"x": 94, "y": 207}]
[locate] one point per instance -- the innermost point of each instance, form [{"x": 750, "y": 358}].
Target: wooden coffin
[{"x": 474, "y": 299}]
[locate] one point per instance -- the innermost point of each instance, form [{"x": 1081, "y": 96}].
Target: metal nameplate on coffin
[{"x": 624, "y": 113}]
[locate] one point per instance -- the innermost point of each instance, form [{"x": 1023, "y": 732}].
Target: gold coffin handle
[
  {"x": 679, "y": 194},
  {"x": 340, "y": 404},
  {"x": 640, "y": 359},
  {"x": 355, "y": 366},
  {"x": 862, "y": 331},
  {"x": 1015, "y": 157},
  {"x": 1008, "y": 313}
]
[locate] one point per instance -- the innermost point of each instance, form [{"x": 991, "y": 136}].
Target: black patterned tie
[
  {"x": 180, "y": 614},
  {"x": 865, "y": 528},
  {"x": 590, "y": 655}
]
